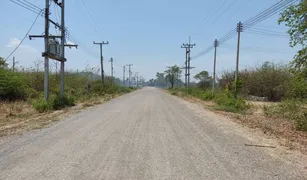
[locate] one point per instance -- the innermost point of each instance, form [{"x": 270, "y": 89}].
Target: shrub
[
  {"x": 297, "y": 88},
  {"x": 206, "y": 95},
  {"x": 267, "y": 80},
  {"x": 41, "y": 105},
  {"x": 59, "y": 102},
  {"x": 54, "y": 103},
  {"x": 292, "y": 109},
  {"x": 12, "y": 86},
  {"x": 226, "y": 101}
]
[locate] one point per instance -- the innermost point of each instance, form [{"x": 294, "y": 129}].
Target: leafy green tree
[
  {"x": 173, "y": 75},
  {"x": 160, "y": 81},
  {"x": 295, "y": 17},
  {"x": 204, "y": 79},
  {"x": 3, "y": 64}
]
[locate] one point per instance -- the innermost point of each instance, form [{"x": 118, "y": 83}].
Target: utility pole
[
  {"x": 111, "y": 60},
  {"x": 62, "y": 68},
  {"x": 124, "y": 72},
  {"x": 101, "y": 60},
  {"x": 188, "y": 48},
  {"x": 59, "y": 56},
  {"x": 214, "y": 67},
  {"x": 239, "y": 30},
  {"x": 186, "y": 65},
  {"x": 129, "y": 80},
  {"x": 137, "y": 79},
  {"x": 14, "y": 63},
  {"x": 46, "y": 39},
  {"x": 169, "y": 74}
]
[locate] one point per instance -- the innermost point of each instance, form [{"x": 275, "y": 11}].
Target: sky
[{"x": 146, "y": 33}]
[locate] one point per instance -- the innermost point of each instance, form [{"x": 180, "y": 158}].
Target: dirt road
[{"x": 146, "y": 134}]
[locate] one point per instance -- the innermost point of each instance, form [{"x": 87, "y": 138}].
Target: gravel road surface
[{"x": 147, "y": 134}]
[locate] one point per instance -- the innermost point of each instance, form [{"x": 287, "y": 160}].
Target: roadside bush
[
  {"x": 226, "y": 101},
  {"x": 297, "y": 88},
  {"x": 289, "y": 109},
  {"x": 206, "y": 95},
  {"x": 12, "y": 86},
  {"x": 41, "y": 105},
  {"x": 268, "y": 80},
  {"x": 54, "y": 103},
  {"x": 59, "y": 102},
  {"x": 174, "y": 92},
  {"x": 125, "y": 90}
]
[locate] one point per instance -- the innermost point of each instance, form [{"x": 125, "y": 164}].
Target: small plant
[
  {"x": 227, "y": 102},
  {"x": 207, "y": 95},
  {"x": 61, "y": 102},
  {"x": 41, "y": 105}
]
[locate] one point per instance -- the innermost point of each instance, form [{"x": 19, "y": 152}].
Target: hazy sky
[{"x": 146, "y": 33}]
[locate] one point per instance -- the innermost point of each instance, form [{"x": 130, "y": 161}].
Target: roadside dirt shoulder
[{"x": 280, "y": 129}]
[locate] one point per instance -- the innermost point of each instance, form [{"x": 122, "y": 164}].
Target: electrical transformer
[{"x": 54, "y": 48}]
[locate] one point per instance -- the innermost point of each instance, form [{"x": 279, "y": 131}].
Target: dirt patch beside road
[
  {"x": 18, "y": 117},
  {"x": 282, "y": 129}
]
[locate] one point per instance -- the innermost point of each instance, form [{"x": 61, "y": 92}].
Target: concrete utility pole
[
  {"x": 60, "y": 56},
  {"x": 214, "y": 67},
  {"x": 124, "y": 72},
  {"x": 129, "y": 80},
  {"x": 186, "y": 64},
  {"x": 13, "y": 63},
  {"x": 111, "y": 60},
  {"x": 62, "y": 68},
  {"x": 101, "y": 60},
  {"x": 169, "y": 75},
  {"x": 188, "y": 48},
  {"x": 46, "y": 39},
  {"x": 239, "y": 30},
  {"x": 137, "y": 79}
]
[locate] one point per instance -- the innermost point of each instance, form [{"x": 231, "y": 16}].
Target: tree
[
  {"x": 173, "y": 74},
  {"x": 160, "y": 81},
  {"x": 204, "y": 79},
  {"x": 3, "y": 64},
  {"x": 151, "y": 82},
  {"x": 295, "y": 17}
]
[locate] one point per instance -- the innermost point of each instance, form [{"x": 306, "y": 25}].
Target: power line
[
  {"x": 262, "y": 49},
  {"x": 24, "y": 36},
  {"x": 230, "y": 5},
  {"x": 269, "y": 12},
  {"x": 90, "y": 14},
  {"x": 265, "y": 30},
  {"x": 267, "y": 34},
  {"x": 28, "y": 7},
  {"x": 217, "y": 10},
  {"x": 241, "y": 7},
  {"x": 31, "y": 4},
  {"x": 275, "y": 8}
]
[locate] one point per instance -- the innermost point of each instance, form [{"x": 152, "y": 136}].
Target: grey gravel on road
[{"x": 147, "y": 134}]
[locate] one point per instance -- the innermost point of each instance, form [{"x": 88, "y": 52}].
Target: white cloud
[{"x": 13, "y": 42}]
